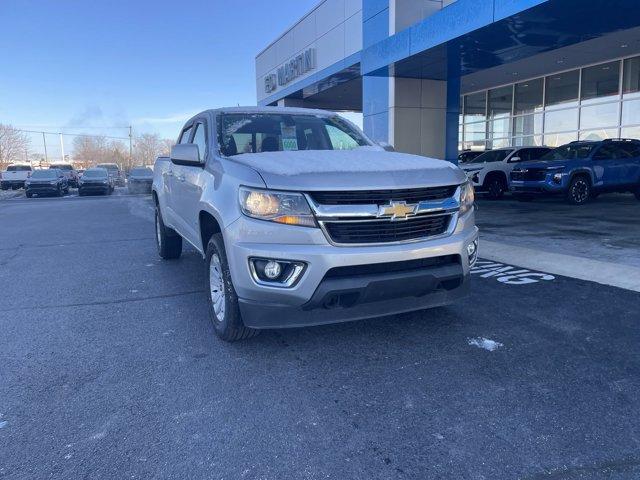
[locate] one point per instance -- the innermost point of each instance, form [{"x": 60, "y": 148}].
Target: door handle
[
  {"x": 169, "y": 173},
  {"x": 181, "y": 178}
]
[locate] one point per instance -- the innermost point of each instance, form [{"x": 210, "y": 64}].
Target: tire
[
  {"x": 4, "y": 187},
  {"x": 224, "y": 310},
  {"x": 169, "y": 243},
  {"x": 579, "y": 191},
  {"x": 495, "y": 187},
  {"x": 66, "y": 191},
  {"x": 523, "y": 197},
  {"x": 59, "y": 192},
  {"x": 29, "y": 194}
]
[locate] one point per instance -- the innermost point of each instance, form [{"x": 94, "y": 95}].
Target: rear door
[
  {"x": 631, "y": 169},
  {"x": 188, "y": 184},
  {"x": 609, "y": 164}
]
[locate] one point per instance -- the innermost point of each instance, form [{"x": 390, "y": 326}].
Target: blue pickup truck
[{"x": 580, "y": 171}]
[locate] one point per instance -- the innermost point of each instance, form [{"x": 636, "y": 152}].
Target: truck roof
[{"x": 276, "y": 110}]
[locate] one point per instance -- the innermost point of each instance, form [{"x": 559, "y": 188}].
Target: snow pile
[{"x": 485, "y": 343}]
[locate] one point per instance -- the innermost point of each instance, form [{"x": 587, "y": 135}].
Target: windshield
[
  {"x": 570, "y": 152},
  {"x": 142, "y": 172},
  {"x": 95, "y": 174},
  {"x": 491, "y": 156},
  {"x": 45, "y": 174},
  {"x": 108, "y": 166},
  {"x": 62, "y": 167},
  {"x": 266, "y": 132},
  {"x": 18, "y": 168}
]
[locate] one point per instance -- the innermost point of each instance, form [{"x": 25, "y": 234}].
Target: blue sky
[{"x": 99, "y": 63}]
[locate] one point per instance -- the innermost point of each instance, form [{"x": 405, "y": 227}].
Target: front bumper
[
  {"x": 94, "y": 189},
  {"x": 311, "y": 301},
  {"x": 42, "y": 189},
  {"x": 11, "y": 183}
]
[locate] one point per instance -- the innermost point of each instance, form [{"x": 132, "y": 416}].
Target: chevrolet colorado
[{"x": 302, "y": 220}]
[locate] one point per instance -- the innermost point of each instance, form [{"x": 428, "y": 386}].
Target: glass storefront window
[
  {"x": 561, "y": 120},
  {"x": 630, "y": 132},
  {"x": 557, "y": 139},
  {"x": 475, "y": 131},
  {"x": 499, "y": 127},
  {"x": 631, "y": 112},
  {"x": 604, "y": 115},
  {"x": 500, "y": 102},
  {"x": 475, "y": 107},
  {"x": 527, "y": 125},
  {"x": 631, "y": 77},
  {"x": 528, "y": 96},
  {"x": 532, "y": 141},
  {"x": 600, "y": 82},
  {"x": 499, "y": 143},
  {"x": 562, "y": 89},
  {"x": 600, "y": 134}
]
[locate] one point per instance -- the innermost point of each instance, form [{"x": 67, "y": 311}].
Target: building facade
[{"x": 434, "y": 77}]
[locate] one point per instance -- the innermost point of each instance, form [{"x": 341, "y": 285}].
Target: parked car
[
  {"x": 46, "y": 182},
  {"x": 95, "y": 180},
  {"x": 114, "y": 172},
  {"x": 581, "y": 171},
  {"x": 14, "y": 176},
  {"x": 140, "y": 180},
  {"x": 468, "y": 155},
  {"x": 69, "y": 172},
  {"x": 303, "y": 220},
  {"x": 489, "y": 172}
]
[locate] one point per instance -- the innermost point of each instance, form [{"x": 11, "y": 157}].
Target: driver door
[{"x": 187, "y": 185}]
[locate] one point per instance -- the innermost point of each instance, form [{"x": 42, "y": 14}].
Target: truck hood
[{"x": 363, "y": 168}]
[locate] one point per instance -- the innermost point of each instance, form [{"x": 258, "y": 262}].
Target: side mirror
[
  {"x": 387, "y": 146},
  {"x": 186, "y": 154},
  {"x": 514, "y": 159}
]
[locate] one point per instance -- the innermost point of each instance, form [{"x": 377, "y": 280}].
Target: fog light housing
[
  {"x": 275, "y": 272},
  {"x": 472, "y": 252}
]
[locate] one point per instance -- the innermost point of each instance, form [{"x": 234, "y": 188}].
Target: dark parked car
[
  {"x": 114, "y": 173},
  {"x": 95, "y": 180},
  {"x": 46, "y": 182},
  {"x": 468, "y": 155},
  {"x": 581, "y": 171},
  {"x": 140, "y": 180},
  {"x": 69, "y": 172}
]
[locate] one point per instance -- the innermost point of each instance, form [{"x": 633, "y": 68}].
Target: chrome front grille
[{"x": 378, "y": 222}]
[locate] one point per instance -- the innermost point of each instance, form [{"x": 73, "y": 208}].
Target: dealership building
[{"x": 434, "y": 77}]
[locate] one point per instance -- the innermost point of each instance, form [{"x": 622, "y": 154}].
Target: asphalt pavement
[{"x": 109, "y": 368}]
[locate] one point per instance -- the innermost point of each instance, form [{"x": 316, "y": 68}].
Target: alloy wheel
[{"x": 216, "y": 287}]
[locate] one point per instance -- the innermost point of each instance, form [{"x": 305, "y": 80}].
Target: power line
[
  {"x": 73, "y": 134},
  {"x": 74, "y": 126}
]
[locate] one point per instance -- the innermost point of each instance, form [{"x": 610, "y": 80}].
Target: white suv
[{"x": 490, "y": 171}]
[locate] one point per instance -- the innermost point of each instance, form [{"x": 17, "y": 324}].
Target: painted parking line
[{"x": 509, "y": 274}]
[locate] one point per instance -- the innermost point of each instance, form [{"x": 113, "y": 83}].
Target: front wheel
[
  {"x": 224, "y": 310},
  {"x": 579, "y": 191},
  {"x": 169, "y": 243},
  {"x": 29, "y": 194},
  {"x": 495, "y": 188}
]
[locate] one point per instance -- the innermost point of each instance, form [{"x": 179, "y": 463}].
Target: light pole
[
  {"x": 44, "y": 140},
  {"x": 61, "y": 146},
  {"x": 130, "y": 146}
]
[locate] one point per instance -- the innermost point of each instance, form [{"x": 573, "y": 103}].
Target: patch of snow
[
  {"x": 485, "y": 343},
  {"x": 3, "y": 423}
]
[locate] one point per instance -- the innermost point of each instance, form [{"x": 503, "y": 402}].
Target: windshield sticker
[{"x": 289, "y": 138}]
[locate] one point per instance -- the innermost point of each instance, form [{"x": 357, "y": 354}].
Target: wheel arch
[
  {"x": 208, "y": 226},
  {"x": 495, "y": 174}
]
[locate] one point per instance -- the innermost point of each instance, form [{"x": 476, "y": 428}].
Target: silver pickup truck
[{"x": 303, "y": 220}]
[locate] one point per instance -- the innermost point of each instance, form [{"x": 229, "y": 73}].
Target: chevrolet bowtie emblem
[{"x": 397, "y": 210}]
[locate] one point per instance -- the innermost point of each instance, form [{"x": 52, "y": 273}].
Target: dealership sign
[{"x": 296, "y": 67}]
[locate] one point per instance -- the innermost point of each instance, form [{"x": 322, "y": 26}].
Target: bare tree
[
  {"x": 166, "y": 146},
  {"x": 14, "y": 145},
  {"x": 90, "y": 150},
  {"x": 147, "y": 147}
]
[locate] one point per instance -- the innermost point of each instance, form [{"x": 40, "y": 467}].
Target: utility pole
[
  {"x": 44, "y": 140},
  {"x": 61, "y": 146},
  {"x": 130, "y": 147}
]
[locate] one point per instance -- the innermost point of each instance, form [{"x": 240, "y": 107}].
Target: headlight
[
  {"x": 467, "y": 197},
  {"x": 282, "y": 207}
]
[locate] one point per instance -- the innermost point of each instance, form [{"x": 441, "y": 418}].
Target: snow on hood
[{"x": 364, "y": 167}]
